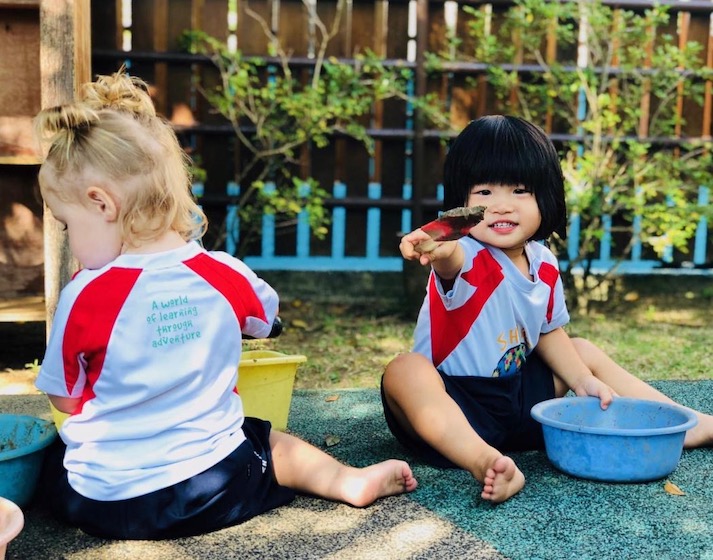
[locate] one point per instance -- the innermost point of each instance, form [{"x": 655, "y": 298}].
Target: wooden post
[
  {"x": 414, "y": 276},
  {"x": 708, "y": 92},
  {"x": 65, "y": 63}
]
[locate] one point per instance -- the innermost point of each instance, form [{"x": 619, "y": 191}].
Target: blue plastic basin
[
  {"x": 633, "y": 440},
  {"x": 23, "y": 440}
]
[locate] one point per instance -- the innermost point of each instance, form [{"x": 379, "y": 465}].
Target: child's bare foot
[
  {"x": 502, "y": 480},
  {"x": 701, "y": 435},
  {"x": 361, "y": 487}
]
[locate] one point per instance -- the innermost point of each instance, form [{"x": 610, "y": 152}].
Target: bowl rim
[
  {"x": 41, "y": 443},
  {"x": 691, "y": 419}
]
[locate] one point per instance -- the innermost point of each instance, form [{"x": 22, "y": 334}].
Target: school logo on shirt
[{"x": 512, "y": 361}]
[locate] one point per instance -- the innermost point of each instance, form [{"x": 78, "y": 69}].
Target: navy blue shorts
[
  {"x": 239, "y": 487},
  {"x": 498, "y": 408}
]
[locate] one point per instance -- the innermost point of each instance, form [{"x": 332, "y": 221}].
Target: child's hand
[
  {"x": 410, "y": 241},
  {"x": 593, "y": 387}
]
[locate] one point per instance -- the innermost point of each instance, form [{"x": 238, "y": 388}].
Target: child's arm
[
  {"x": 65, "y": 404},
  {"x": 447, "y": 258},
  {"x": 557, "y": 350}
]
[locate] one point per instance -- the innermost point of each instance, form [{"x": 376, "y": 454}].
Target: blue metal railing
[{"x": 372, "y": 260}]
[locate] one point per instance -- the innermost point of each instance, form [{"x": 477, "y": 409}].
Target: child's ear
[{"x": 102, "y": 201}]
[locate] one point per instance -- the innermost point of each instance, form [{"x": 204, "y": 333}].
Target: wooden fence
[{"x": 374, "y": 197}]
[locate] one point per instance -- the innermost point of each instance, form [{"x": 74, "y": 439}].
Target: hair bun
[
  {"x": 119, "y": 92},
  {"x": 64, "y": 123},
  {"x": 67, "y": 117}
]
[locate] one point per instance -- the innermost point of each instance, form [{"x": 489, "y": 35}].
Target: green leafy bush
[
  {"x": 276, "y": 112},
  {"x": 616, "y": 97}
]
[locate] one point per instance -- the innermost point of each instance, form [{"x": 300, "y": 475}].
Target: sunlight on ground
[
  {"x": 683, "y": 317},
  {"x": 405, "y": 540},
  {"x": 305, "y": 520},
  {"x": 394, "y": 345},
  {"x": 134, "y": 549},
  {"x": 18, "y": 382}
]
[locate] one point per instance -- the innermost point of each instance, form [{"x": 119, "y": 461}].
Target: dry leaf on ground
[
  {"x": 299, "y": 324},
  {"x": 672, "y": 489}
]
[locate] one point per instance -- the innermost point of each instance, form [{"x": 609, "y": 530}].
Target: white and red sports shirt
[
  {"x": 151, "y": 344},
  {"x": 492, "y": 317}
]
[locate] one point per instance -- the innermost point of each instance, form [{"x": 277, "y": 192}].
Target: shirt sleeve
[
  {"x": 558, "y": 315},
  {"x": 261, "y": 305},
  {"x": 52, "y": 378},
  {"x": 461, "y": 290}
]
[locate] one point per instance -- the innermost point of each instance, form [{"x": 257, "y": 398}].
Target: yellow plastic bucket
[
  {"x": 58, "y": 417},
  {"x": 265, "y": 382}
]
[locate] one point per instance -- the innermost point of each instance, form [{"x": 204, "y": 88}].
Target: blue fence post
[
  {"x": 573, "y": 236},
  {"x": 373, "y": 226},
  {"x": 699, "y": 249},
  {"x": 667, "y": 256},
  {"x": 303, "y": 229},
  {"x": 268, "y": 227},
  {"x": 636, "y": 232},
  {"x": 232, "y": 220},
  {"x": 407, "y": 194},
  {"x": 605, "y": 243},
  {"x": 198, "y": 190},
  {"x": 339, "y": 223}
]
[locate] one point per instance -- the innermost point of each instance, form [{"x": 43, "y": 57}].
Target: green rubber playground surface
[{"x": 555, "y": 516}]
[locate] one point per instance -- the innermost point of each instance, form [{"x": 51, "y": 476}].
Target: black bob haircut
[{"x": 507, "y": 150}]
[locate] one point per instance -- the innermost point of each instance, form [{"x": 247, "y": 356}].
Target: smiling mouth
[{"x": 503, "y": 225}]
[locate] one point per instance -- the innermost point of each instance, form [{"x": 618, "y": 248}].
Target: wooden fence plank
[
  {"x": 340, "y": 45},
  {"x": 381, "y": 22},
  {"x": 684, "y": 23},
  {"x": 698, "y": 31},
  {"x": 213, "y": 18},
  {"x": 362, "y": 25},
  {"x": 646, "y": 96},
  {"x": 708, "y": 92},
  {"x": 251, "y": 38},
  {"x": 143, "y": 14},
  {"x": 295, "y": 28},
  {"x": 20, "y": 95},
  {"x": 106, "y": 24}
]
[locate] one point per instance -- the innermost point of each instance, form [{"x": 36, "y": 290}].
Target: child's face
[
  {"x": 511, "y": 215},
  {"x": 94, "y": 237}
]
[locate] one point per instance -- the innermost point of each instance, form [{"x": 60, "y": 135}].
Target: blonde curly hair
[{"x": 113, "y": 134}]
